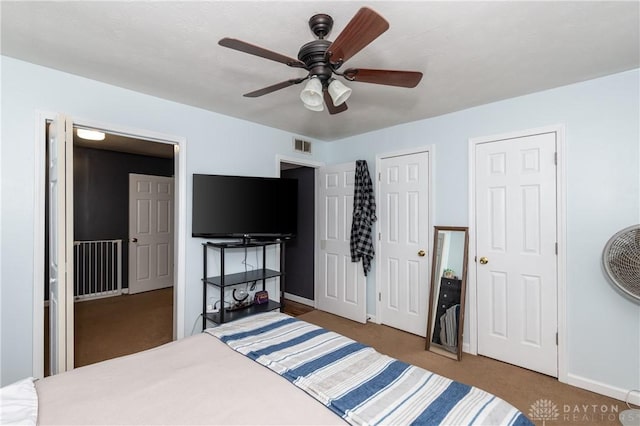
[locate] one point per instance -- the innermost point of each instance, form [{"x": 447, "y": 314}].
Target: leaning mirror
[{"x": 448, "y": 289}]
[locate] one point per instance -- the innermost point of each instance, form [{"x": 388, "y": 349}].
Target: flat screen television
[{"x": 244, "y": 206}]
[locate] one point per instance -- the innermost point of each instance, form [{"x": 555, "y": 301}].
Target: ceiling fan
[{"x": 323, "y": 59}]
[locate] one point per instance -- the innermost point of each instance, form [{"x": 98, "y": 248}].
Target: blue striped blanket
[{"x": 359, "y": 384}]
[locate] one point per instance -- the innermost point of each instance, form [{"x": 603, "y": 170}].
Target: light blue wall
[
  {"x": 603, "y": 189},
  {"x": 602, "y": 124},
  {"x": 215, "y": 144}
]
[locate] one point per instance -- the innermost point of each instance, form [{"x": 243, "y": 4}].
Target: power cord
[
  {"x": 215, "y": 305},
  {"x": 244, "y": 262},
  {"x": 194, "y": 324}
]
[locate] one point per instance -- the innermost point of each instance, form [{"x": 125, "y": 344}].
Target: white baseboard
[
  {"x": 604, "y": 389},
  {"x": 298, "y": 299},
  {"x": 593, "y": 386}
]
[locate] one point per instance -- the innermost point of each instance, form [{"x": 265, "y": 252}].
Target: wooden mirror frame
[{"x": 435, "y": 283}]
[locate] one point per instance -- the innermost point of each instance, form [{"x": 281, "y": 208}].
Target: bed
[{"x": 266, "y": 369}]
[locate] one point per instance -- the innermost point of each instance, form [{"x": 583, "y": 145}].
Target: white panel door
[
  {"x": 516, "y": 265},
  {"x": 150, "y": 232},
  {"x": 404, "y": 242},
  {"x": 60, "y": 192},
  {"x": 341, "y": 288}
]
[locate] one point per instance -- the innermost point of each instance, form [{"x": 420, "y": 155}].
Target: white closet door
[
  {"x": 404, "y": 256},
  {"x": 341, "y": 288},
  {"x": 516, "y": 236},
  {"x": 60, "y": 191}
]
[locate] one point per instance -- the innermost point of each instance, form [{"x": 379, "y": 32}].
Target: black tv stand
[{"x": 224, "y": 280}]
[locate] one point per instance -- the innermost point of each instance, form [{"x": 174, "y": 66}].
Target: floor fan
[{"x": 621, "y": 261}]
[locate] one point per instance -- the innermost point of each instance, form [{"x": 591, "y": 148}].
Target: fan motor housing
[{"x": 313, "y": 54}]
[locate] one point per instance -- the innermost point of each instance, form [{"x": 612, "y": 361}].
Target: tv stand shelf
[
  {"x": 223, "y": 281},
  {"x": 242, "y": 277}
]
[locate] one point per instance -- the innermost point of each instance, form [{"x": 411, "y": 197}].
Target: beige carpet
[
  {"x": 522, "y": 388},
  {"x": 122, "y": 325},
  {"x": 114, "y": 326}
]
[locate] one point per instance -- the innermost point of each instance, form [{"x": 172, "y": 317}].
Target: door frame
[
  {"x": 561, "y": 208},
  {"x": 316, "y": 165},
  {"x": 180, "y": 226},
  {"x": 431, "y": 150}
]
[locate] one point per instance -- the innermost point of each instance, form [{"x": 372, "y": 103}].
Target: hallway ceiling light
[{"x": 92, "y": 135}]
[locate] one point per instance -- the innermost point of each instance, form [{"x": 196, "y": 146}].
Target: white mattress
[{"x": 197, "y": 380}]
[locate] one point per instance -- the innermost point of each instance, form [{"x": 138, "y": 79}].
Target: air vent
[{"x": 300, "y": 145}]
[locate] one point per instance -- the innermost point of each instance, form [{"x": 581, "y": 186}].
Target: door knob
[
  {"x": 421, "y": 253},
  {"x": 134, "y": 240},
  {"x": 484, "y": 260}
]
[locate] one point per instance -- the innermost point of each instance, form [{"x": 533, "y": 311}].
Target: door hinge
[
  {"x": 556, "y": 339},
  {"x": 379, "y": 236},
  {"x": 555, "y": 158},
  {"x": 379, "y": 297},
  {"x": 475, "y": 258},
  {"x": 556, "y": 249},
  {"x": 379, "y": 176}
]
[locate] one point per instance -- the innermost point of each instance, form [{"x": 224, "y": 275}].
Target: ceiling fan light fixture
[
  {"x": 339, "y": 92},
  {"x": 311, "y": 95},
  {"x": 92, "y": 135}
]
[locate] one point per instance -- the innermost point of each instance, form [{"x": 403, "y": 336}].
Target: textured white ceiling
[{"x": 471, "y": 53}]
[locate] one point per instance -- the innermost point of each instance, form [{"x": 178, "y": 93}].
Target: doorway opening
[
  {"x": 300, "y": 252},
  {"x": 108, "y": 321}
]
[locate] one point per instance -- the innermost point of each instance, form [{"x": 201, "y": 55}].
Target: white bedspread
[
  {"x": 19, "y": 403},
  {"x": 197, "y": 380},
  {"x": 200, "y": 380}
]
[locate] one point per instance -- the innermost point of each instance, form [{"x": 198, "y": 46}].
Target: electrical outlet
[{"x": 210, "y": 309}]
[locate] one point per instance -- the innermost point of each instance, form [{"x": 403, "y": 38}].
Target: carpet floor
[
  {"x": 523, "y": 388},
  {"x": 116, "y": 326}
]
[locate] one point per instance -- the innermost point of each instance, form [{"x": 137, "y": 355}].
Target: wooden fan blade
[
  {"x": 273, "y": 88},
  {"x": 245, "y": 47},
  {"x": 387, "y": 77},
  {"x": 330, "y": 106},
  {"x": 363, "y": 28}
]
